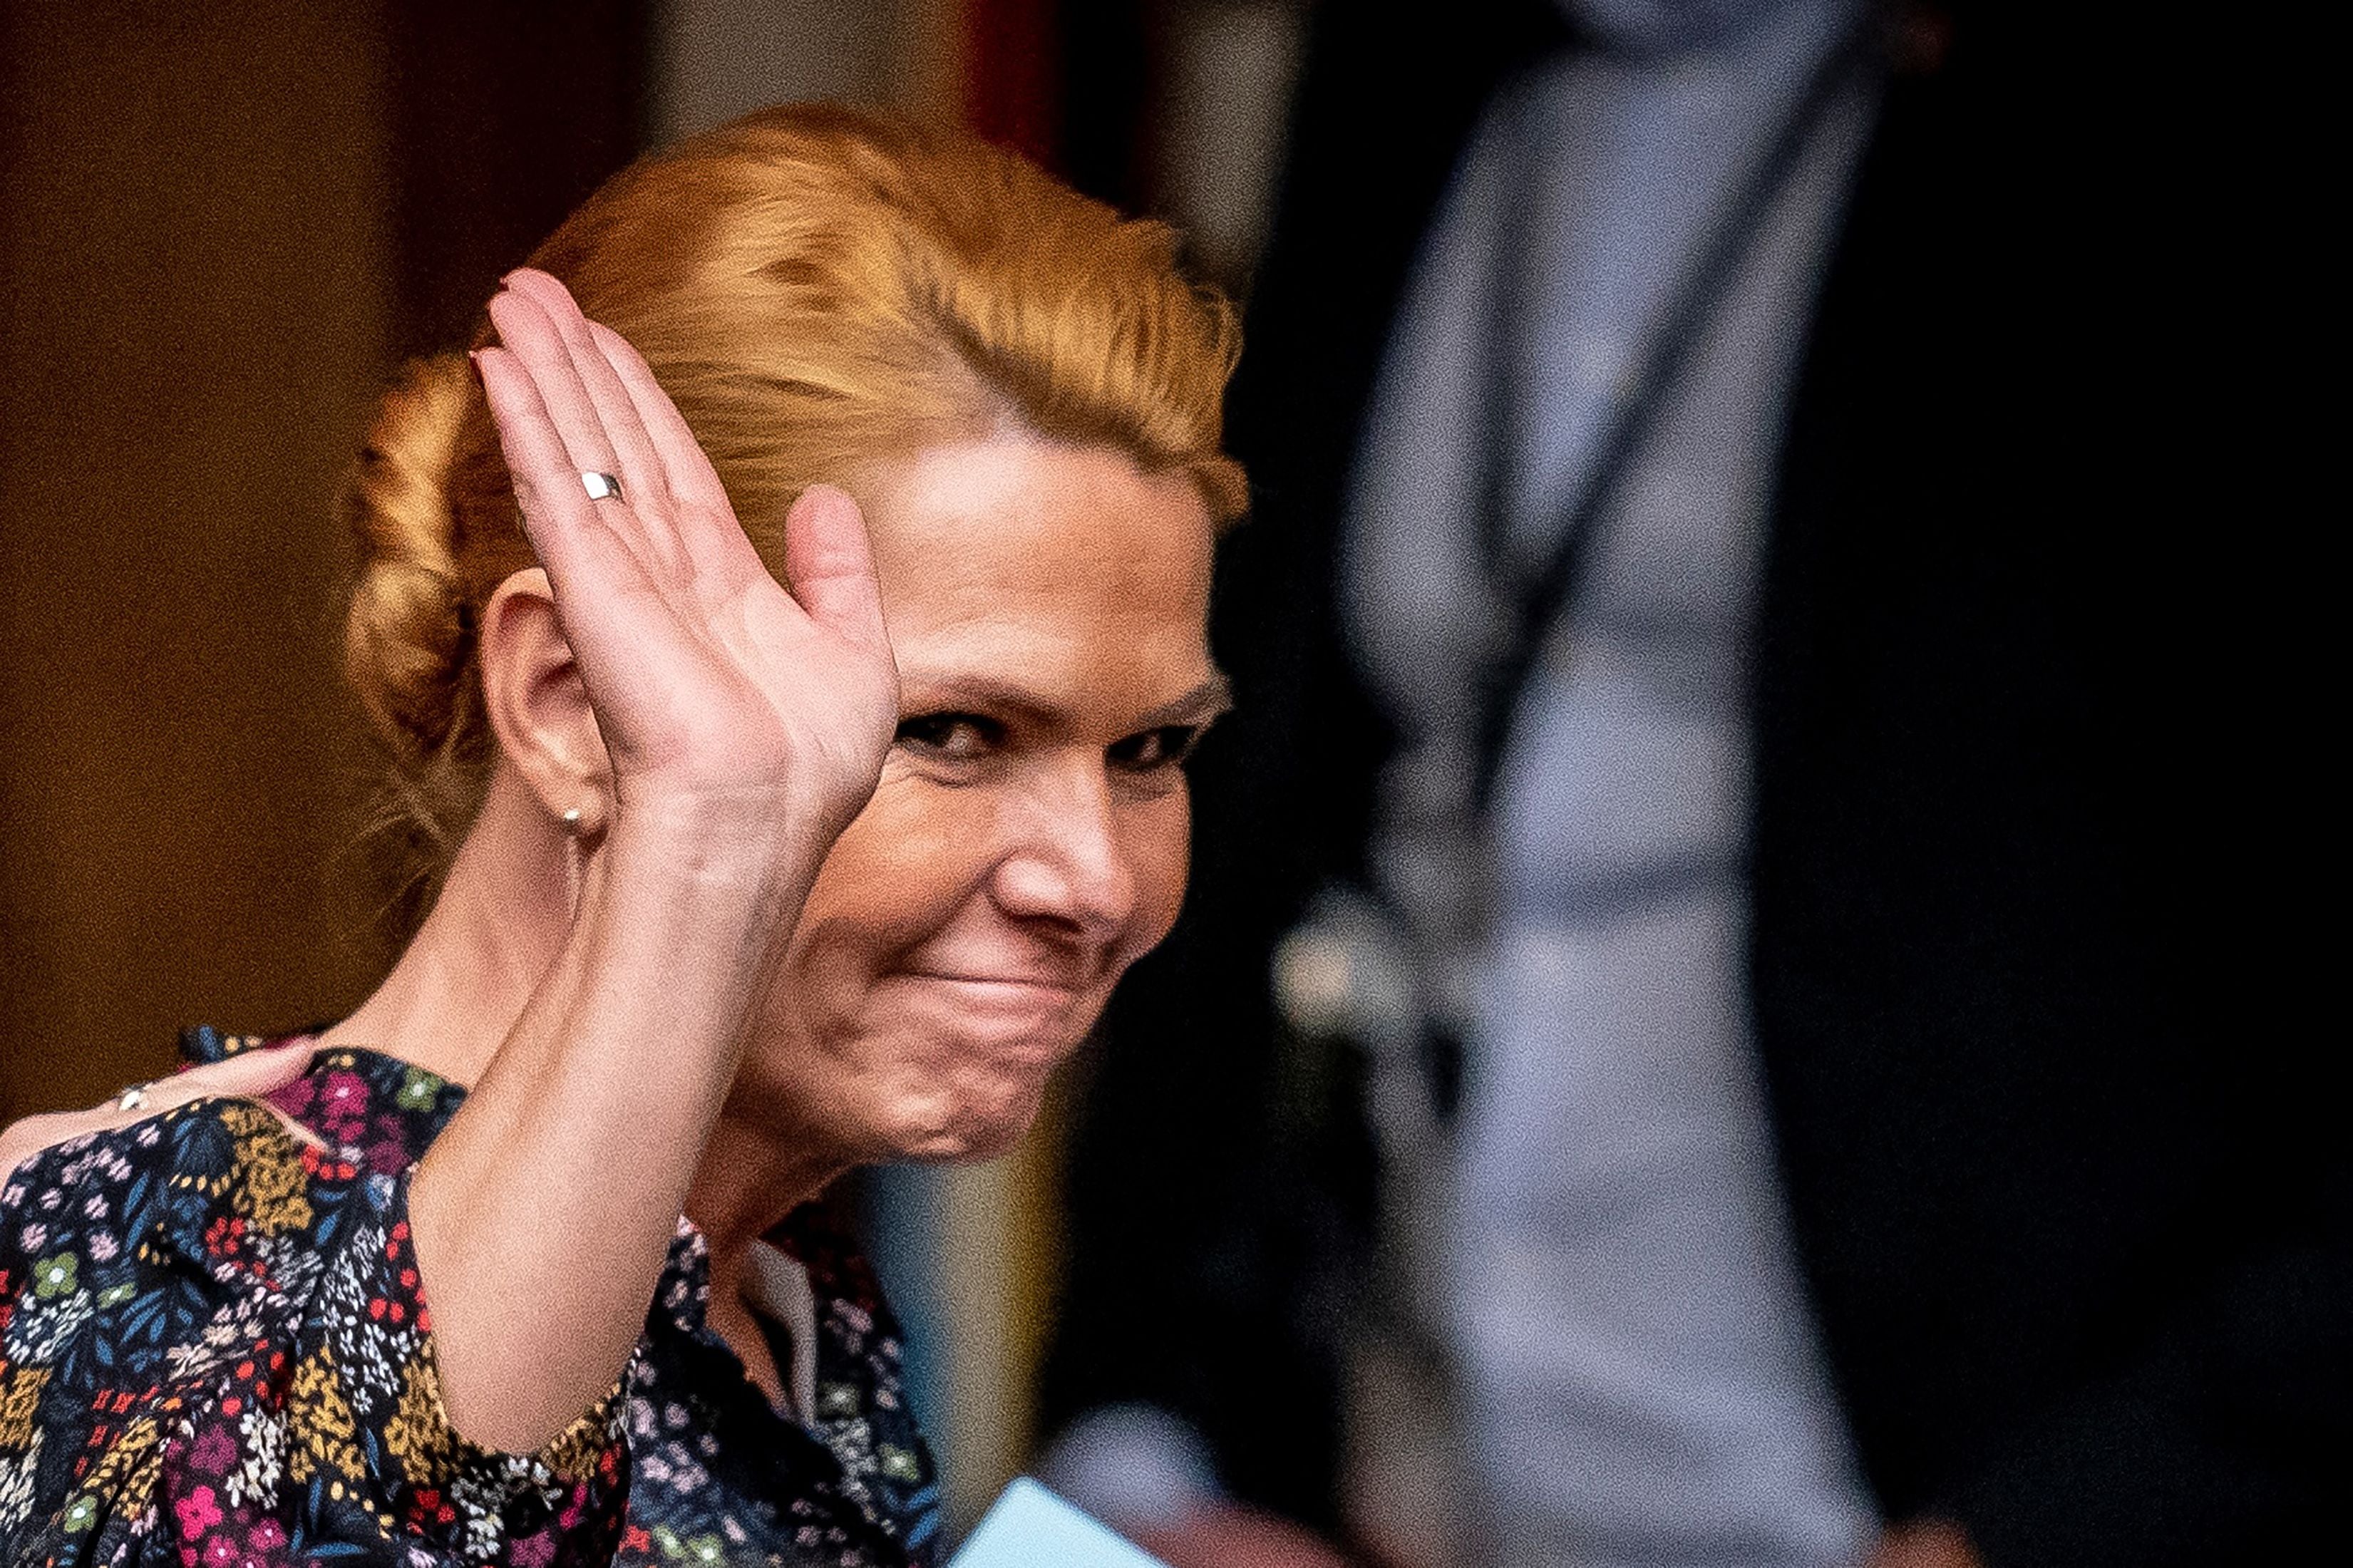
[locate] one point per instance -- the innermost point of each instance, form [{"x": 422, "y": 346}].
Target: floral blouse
[{"x": 215, "y": 1354}]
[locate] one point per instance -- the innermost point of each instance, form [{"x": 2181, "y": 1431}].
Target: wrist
[
  {"x": 684, "y": 869},
  {"x": 754, "y": 840}
]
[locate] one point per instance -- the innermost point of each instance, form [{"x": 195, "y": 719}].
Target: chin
[
  {"x": 963, "y": 1107},
  {"x": 964, "y": 1122},
  {"x": 952, "y": 1076}
]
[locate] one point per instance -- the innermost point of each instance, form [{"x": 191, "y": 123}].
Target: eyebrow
[{"x": 1205, "y": 702}]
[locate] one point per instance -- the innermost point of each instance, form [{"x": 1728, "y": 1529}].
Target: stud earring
[{"x": 574, "y": 855}]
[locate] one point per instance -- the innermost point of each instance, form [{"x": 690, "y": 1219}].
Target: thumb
[{"x": 829, "y": 567}]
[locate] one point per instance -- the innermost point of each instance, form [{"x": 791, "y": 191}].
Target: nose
[{"x": 1067, "y": 863}]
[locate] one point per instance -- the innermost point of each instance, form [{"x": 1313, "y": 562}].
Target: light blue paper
[{"x": 1030, "y": 1527}]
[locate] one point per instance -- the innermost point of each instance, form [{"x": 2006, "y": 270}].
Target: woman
[{"x": 805, "y": 702}]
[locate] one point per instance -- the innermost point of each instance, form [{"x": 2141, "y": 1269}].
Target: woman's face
[{"x": 1048, "y": 607}]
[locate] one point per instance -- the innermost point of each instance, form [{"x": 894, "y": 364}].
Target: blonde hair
[{"x": 816, "y": 289}]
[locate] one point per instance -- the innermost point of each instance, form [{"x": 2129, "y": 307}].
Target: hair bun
[{"x": 405, "y": 642}]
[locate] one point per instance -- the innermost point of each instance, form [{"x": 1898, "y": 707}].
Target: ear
[{"x": 537, "y": 706}]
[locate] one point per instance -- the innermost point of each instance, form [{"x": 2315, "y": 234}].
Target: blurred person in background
[{"x": 1759, "y": 639}]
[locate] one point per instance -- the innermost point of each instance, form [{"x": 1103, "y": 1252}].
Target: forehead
[{"x": 1024, "y": 559}]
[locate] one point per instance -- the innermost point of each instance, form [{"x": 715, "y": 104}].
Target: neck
[
  {"x": 503, "y": 917},
  {"x": 752, "y": 1175},
  {"x": 749, "y": 1179}
]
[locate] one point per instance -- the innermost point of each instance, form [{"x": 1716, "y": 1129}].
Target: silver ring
[
  {"x": 132, "y": 1098},
  {"x": 601, "y": 486}
]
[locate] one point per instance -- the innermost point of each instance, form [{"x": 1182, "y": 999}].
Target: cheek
[
  {"x": 1159, "y": 848},
  {"x": 896, "y": 874}
]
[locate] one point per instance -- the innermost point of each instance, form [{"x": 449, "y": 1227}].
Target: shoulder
[
  {"x": 142, "y": 1234},
  {"x": 137, "y": 1262},
  {"x": 137, "y": 1240}
]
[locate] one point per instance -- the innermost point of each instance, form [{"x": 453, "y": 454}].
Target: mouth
[
  {"x": 1009, "y": 1027},
  {"x": 1019, "y": 990}
]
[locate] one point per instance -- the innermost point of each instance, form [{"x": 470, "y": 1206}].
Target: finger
[
  {"x": 829, "y": 567},
  {"x": 648, "y": 529},
  {"x": 555, "y": 509},
  {"x": 250, "y": 1074},
  {"x": 526, "y": 331},
  {"x": 693, "y": 480},
  {"x": 641, "y": 472}
]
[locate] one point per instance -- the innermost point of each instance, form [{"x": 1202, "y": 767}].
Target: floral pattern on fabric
[{"x": 215, "y": 1354}]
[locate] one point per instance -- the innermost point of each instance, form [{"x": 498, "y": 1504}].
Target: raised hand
[
  {"x": 715, "y": 688},
  {"x": 744, "y": 726}
]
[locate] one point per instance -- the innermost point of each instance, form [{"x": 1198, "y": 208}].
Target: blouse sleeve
[
  {"x": 364, "y": 1415},
  {"x": 212, "y": 1335}
]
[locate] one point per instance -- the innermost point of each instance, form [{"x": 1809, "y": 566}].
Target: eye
[
  {"x": 954, "y": 737},
  {"x": 1153, "y": 750}
]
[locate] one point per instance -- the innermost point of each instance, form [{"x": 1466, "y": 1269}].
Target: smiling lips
[
  {"x": 1016, "y": 1017},
  {"x": 1031, "y": 990}
]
